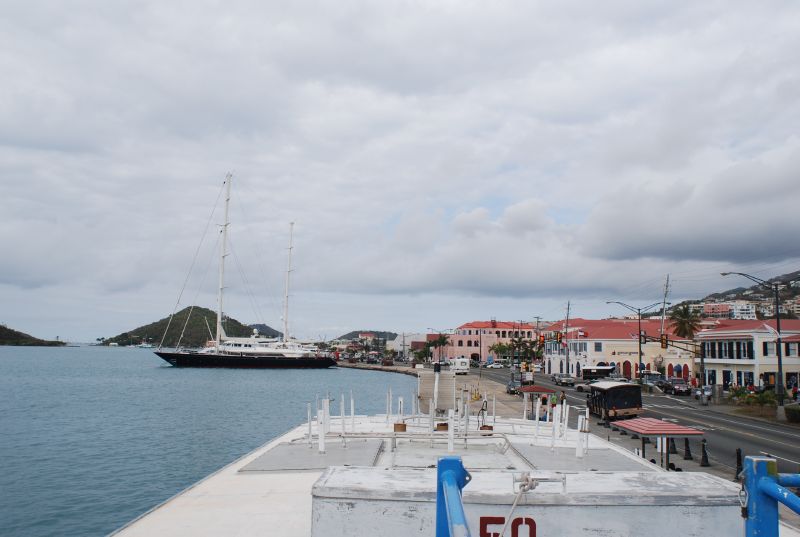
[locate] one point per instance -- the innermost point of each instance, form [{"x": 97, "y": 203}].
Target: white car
[{"x": 495, "y": 365}]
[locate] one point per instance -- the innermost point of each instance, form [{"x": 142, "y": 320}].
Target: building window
[
  {"x": 469, "y": 343},
  {"x": 460, "y": 343},
  {"x": 598, "y": 346},
  {"x": 769, "y": 348},
  {"x": 504, "y": 333}
]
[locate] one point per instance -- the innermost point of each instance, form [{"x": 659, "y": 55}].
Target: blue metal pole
[
  {"x": 762, "y": 511},
  {"x": 764, "y": 488},
  {"x": 451, "y": 478}
]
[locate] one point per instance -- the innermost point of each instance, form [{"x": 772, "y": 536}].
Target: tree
[
  {"x": 441, "y": 341},
  {"x": 499, "y": 349},
  {"x": 684, "y": 321}
]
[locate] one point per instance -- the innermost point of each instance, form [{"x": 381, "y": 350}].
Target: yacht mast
[
  {"x": 286, "y": 292},
  {"x": 222, "y": 254}
]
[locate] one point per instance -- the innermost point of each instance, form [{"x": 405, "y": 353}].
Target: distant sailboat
[{"x": 256, "y": 351}]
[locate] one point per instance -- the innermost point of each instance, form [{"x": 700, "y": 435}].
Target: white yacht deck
[{"x": 288, "y": 487}]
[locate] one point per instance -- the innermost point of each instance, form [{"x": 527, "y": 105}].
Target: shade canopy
[
  {"x": 654, "y": 427},
  {"x": 536, "y": 389}
]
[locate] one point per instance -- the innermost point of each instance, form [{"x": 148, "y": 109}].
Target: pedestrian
[
  {"x": 553, "y": 400},
  {"x": 794, "y": 392},
  {"x": 563, "y": 397}
]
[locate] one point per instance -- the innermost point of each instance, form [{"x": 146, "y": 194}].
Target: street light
[
  {"x": 776, "y": 290},
  {"x": 441, "y": 333},
  {"x": 638, "y": 312}
]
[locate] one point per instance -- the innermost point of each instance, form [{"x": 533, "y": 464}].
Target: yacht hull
[{"x": 188, "y": 359}]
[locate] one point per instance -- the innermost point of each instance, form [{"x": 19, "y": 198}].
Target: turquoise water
[{"x": 94, "y": 436}]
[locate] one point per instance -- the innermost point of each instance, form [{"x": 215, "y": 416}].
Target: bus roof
[{"x": 609, "y": 384}]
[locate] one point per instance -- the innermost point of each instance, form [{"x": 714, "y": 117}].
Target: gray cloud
[{"x": 483, "y": 156}]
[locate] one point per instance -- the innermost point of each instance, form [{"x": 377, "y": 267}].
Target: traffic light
[
  {"x": 664, "y": 341},
  {"x": 559, "y": 335}
]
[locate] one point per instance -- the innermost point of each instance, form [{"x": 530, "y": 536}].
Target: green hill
[
  {"x": 388, "y": 336},
  {"x": 13, "y": 337},
  {"x": 195, "y": 335}
]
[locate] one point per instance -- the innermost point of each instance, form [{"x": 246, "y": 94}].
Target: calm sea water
[{"x": 90, "y": 437}]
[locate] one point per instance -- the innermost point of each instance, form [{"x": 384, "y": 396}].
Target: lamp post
[
  {"x": 441, "y": 333},
  {"x": 638, "y": 312},
  {"x": 781, "y": 413}
]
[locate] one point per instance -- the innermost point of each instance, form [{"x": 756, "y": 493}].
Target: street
[{"x": 723, "y": 432}]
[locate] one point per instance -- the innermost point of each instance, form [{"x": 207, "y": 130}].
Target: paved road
[{"x": 723, "y": 432}]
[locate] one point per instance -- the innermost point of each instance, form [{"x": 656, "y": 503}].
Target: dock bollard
[
  {"x": 687, "y": 453},
  {"x": 739, "y": 467},
  {"x": 704, "y": 459},
  {"x": 672, "y": 449}
]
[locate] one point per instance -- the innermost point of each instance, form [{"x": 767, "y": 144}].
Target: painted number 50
[{"x": 518, "y": 522}]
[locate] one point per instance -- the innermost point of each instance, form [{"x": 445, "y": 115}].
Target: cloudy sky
[{"x": 443, "y": 161}]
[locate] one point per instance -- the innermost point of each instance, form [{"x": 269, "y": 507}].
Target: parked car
[
  {"x": 495, "y": 365},
  {"x": 565, "y": 380},
  {"x": 705, "y": 390},
  {"x": 662, "y": 384},
  {"x": 513, "y": 387},
  {"x": 678, "y": 386},
  {"x": 585, "y": 385}
]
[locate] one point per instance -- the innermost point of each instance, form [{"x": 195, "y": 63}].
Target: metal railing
[
  {"x": 451, "y": 478},
  {"x": 762, "y": 489}
]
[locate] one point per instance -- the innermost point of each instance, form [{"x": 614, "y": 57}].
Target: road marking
[
  {"x": 712, "y": 427},
  {"x": 781, "y": 458}
]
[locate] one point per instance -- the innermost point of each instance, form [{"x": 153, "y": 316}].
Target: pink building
[{"x": 472, "y": 340}]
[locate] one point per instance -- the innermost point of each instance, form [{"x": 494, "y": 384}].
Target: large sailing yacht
[{"x": 255, "y": 351}]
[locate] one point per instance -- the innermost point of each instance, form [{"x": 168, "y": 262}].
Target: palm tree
[
  {"x": 499, "y": 349},
  {"x": 684, "y": 321},
  {"x": 440, "y": 341},
  {"x": 519, "y": 349}
]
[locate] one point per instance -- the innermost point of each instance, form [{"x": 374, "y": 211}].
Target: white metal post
[
  {"x": 494, "y": 409},
  {"x": 352, "y": 413},
  {"x": 450, "y": 431},
  {"x": 341, "y": 416},
  {"x": 524, "y": 405},
  {"x": 321, "y": 429},
  {"x": 308, "y": 407},
  {"x": 536, "y": 417}
]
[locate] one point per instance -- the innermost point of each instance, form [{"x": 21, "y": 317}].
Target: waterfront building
[
  {"x": 745, "y": 352},
  {"x": 613, "y": 342},
  {"x": 474, "y": 340}
]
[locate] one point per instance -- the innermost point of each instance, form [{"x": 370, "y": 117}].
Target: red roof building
[
  {"x": 745, "y": 353},
  {"x": 476, "y": 340},
  {"x": 587, "y": 343}
]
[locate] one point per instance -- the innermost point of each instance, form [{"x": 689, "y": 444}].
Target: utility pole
[
  {"x": 775, "y": 287},
  {"x": 664, "y": 304},
  {"x": 566, "y": 335}
]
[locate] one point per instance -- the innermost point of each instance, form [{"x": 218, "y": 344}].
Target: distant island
[
  {"x": 388, "y": 336},
  {"x": 199, "y": 330},
  {"x": 13, "y": 337}
]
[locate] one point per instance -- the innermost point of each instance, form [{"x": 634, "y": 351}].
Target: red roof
[
  {"x": 754, "y": 325},
  {"x": 654, "y": 427},
  {"x": 612, "y": 328},
  {"x": 501, "y": 325},
  {"x": 740, "y": 325},
  {"x": 536, "y": 389}
]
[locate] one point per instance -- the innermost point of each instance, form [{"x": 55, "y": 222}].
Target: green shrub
[{"x": 793, "y": 413}]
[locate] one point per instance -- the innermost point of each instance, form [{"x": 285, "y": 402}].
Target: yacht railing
[
  {"x": 762, "y": 489},
  {"x": 451, "y": 478}
]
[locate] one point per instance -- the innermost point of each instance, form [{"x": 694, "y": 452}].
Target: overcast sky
[{"x": 443, "y": 161}]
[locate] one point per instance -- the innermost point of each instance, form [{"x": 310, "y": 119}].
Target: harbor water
[{"x": 94, "y": 436}]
